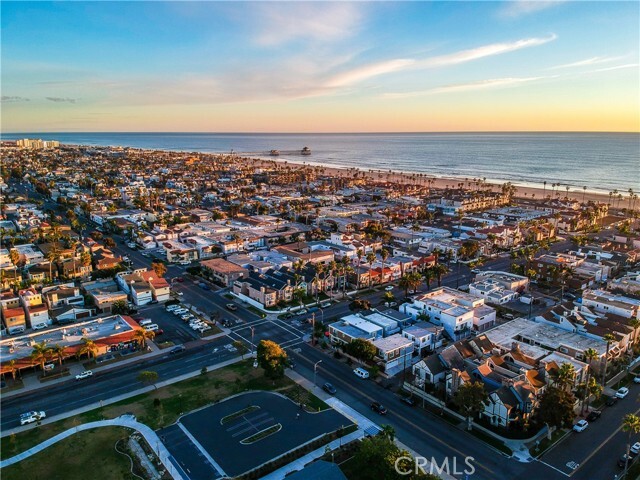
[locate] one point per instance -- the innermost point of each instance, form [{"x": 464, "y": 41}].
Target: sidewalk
[
  {"x": 31, "y": 382},
  {"x": 118, "y": 398},
  {"x": 128, "y": 421}
]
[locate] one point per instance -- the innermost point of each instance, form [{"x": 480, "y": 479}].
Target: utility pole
[
  {"x": 313, "y": 329},
  {"x": 315, "y": 370},
  {"x": 252, "y": 333}
]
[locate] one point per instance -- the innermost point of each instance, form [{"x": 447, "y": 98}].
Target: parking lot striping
[
  {"x": 294, "y": 342},
  {"x": 593, "y": 452},
  {"x": 552, "y": 467},
  {"x": 202, "y": 450},
  {"x": 243, "y": 421},
  {"x": 245, "y": 326},
  {"x": 281, "y": 323},
  {"x": 339, "y": 380},
  {"x": 253, "y": 427}
]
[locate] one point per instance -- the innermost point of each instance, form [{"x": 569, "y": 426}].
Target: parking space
[
  {"x": 230, "y": 431},
  {"x": 187, "y": 457},
  {"x": 174, "y": 329}
]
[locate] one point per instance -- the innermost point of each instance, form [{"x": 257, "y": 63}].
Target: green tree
[
  {"x": 40, "y": 354},
  {"x": 141, "y": 336},
  {"x": 555, "y": 408},
  {"x": 272, "y": 358},
  {"x": 89, "y": 347},
  {"x": 470, "y": 399},
  {"x": 631, "y": 425},
  {"x": 607, "y": 338},
  {"x": 361, "y": 349},
  {"x": 57, "y": 351},
  {"x": 159, "y": 268},
  {"x": 564, "y": 376},
  {"x": 148, "y": 377},
  {"x": 119, "y": 307},
  {"x": 241, "y": 347}
]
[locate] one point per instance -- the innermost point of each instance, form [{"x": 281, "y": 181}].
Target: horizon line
[{"x": 320, "y": 133}]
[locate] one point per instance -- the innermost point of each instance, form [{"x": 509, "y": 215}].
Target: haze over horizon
[{"x": 320, "y": 67}]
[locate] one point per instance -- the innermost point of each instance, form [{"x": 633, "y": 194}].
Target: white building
[
  {"x": 492, "y": 292},
  {"x": 605, "y": 302}
]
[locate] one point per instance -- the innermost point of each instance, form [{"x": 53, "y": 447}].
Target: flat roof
[
  {"x": 392, "y": 342},
  {"x": 381, "y": 320},
  {"x": 361, "y": 323}
]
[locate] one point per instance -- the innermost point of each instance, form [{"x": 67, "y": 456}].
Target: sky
[{"x": 320, "y": 67}]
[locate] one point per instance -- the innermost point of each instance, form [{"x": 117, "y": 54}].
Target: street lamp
[
  {"x": 252, "y": 333},
  {"x": 315, "y": 370}
]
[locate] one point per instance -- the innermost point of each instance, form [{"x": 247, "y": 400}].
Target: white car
[
  {"x": 635, "y": 448},
  {"x": 636, "y": 379},
  {"x": 85, "y": 374},
  {"x": 179, "y": 294},
  {"x": 31, "y": 417},
  {"x": 388, "y": 288},
  {"x": 623, "y": 392},
  {"x": 581, "y": 426}
]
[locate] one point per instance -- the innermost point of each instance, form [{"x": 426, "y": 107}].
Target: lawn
[
  {"x": 163, "y": 406},
  {"x": 88, "y": 451}
]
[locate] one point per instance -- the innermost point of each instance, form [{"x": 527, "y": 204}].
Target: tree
[
  {"x": 361, "y": 349},
  {"x": 109, "y": 242},
  {"x": 141, "y": 336},
  {"x": 631, "y": 425},
  {"x": 14, "y": 256},
  {"x": 607, "y": 338},
  {"x": 58, "y": 352},
  {"x": 389, "y": 432},
  {"x": 470, "y": 399},
  {"x": 89, "y": 347},
  {"x": 241, "y": 347},
  {"x": 85, "y": 259},
  {"x": 272, "y": 358},
  {"x": 564, "y": 376},
  {"x": 40, "y": 354},
  {"x": 149, "y": 377},
  {"x": 384, "y": 254},
  {"x": 590, "y": 354},
  {"x": 12, "y": 367},
  {"x": 439, "y": 270},
  {"x": 555, "y": 408},
  {"x": 159, "y": 268},
  {"x": 119, "y": 307}
]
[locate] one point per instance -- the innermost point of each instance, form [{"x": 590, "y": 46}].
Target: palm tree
[
  {"x": 607, "y": 338},
  {"x": 429, "y": 274},
  {"x": 12, "y": 368},
  {"x": 89, "y": 347},
  {"x": 58, "y": 352},
  {"x": 440, "y": 269},
  {"x": 631, "y": 425},
  {"x": 52, "y": 256},
  {"x": 384, "y": 254},
  {"x": 564, "y": 376},
  {"x": 159, "y": 268},
  {"x": 40, "y": 354},
  {"x": 590, "y": 354},
  {"x": 15, "y": 259},
  {"x": 404, "y": 283},
  {"x": 142, "y": 335},
  {"x": 634, "y": 323},
  {"x": 359, "y": 254}
]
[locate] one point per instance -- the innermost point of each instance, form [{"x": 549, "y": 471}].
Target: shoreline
[{"x": 524, "y": 190}]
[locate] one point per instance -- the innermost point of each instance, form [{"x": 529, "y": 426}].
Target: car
[
  {"x": 85, "y": 374},
  {"x": 304, "y": 311},
  {"x": 594, "y": 415},
  {"x": 179, "y": 279},
  {"x": 178, "y": 349},
  {"x": 204, "y": 286},
  {"x": 475, "y": 270},
  {"x": 325, "y": 304},
  {"x": 388, "y": 288},
  {"x": 39, "y": 326},
  {"x": 287, "y": 316},
  {"x": 379, "y": 408},
  {"x": 508, "y": 316},
  {"x": 231, "y": 306},
  {"x": 409, "y": 401},
  {"x": 581, "y": 426},
  {"x": 390, "y": 304},
  {"x": 636, "y": 379},
  {"x": 330, "y": 389},
  {"x": 635, "y": 449},
  {"x": 179, "y": 294},
  {"x": 622, "y": 392},
  {"x": 31, "y": 417},
  {"x": 625, "y": 460},
  {"x": 610, "y": 401}
]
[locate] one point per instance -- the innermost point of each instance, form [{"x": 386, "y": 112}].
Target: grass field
[
  {"x": 87, "y": 454},
  {"x": 163, "y": 406}
]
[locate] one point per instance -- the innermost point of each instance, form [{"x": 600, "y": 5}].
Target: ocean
[{"x": 600, "y": 161}]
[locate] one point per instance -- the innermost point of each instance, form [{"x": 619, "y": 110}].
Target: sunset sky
[{"x": 320, "y": 67}]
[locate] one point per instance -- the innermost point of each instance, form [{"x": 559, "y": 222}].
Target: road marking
[
  {"x": 406, "y": 421},
  {"x": 552, "y": 467},
  {"x": 281, "y": 322}
]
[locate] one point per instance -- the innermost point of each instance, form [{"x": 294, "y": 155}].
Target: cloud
[
  {"x": 520, "y": 8},
  {"x": 368, "y": 71},
  {"x": 323, "y": 21},
  {"x": 13, "y": 99},
  {"x": 465, "y": 87},
  {"x": 485, "y": 51},
  {"x": 617, "y": 67},
  {"x": 61, "y": 99},
  {"x": 586, "y": 62}
]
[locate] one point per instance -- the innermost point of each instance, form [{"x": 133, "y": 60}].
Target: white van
[
  {"x": 361, "y": 372},
  {"x": 171, "y": 308},
  {"x": 145, "y": 322},
  {"x": 153, "y": 327}
]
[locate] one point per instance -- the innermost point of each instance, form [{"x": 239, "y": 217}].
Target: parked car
[
  {"x": 325, "y": 304},
  {"x": 622, "y": 392},
  {"x": 31, "y": 417},
  {"x": 178, "y": 349},
  {"x": 635, "y": 449},
  {"x": 624, "y": 460},
  {"x": 361, "y": 372},
  {"x": 636, "y": 379},
  {"x": 409, "y": 401},
  {"x": 85, "y": 374},
  {"x": 388, "y": 288},
  {"x": 594, "y": 415},
  {"x": 231, "y": 306},
  {"x": 581, "y": 426},
  {"x": 304, "y": 311},
  {"x": 379, "y": 408},
  {"x": 475, "y": 270},
  {"x": 330, "y": 389}
]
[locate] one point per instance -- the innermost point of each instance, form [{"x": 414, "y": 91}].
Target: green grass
[
  {"x": 237, "y": 414},
  {"x": 488, "y": 439},
  {"x": 261, "y": 434},
  {"x": 545, "y": 443},
  {"x": 175, "y": 399},
  {"x": 74, "y": 457}
]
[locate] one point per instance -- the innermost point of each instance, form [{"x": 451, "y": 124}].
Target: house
[
  {"x": 394, "y": 353},
  {"x": 603, "y": 301},
  {"x": 14, "y": 320},
  {"x": 70, "y": 314},
  {"x": 160, "y": 289},
  {"x": 430, "y": 370},
  {"x": 425, "y": 336},
  {"x": 264, "y": 290},
  {"x": 223, "y": 271},
  {"x": 60, "y": 295},
  {"x": 492, "y": 292},
  {"x": 37, "y": 312}
]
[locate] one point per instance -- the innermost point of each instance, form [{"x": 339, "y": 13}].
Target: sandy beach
[{"x": 379, "y": 176}]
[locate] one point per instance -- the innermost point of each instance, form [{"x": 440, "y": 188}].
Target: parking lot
[
  {"x": 227, "y": 433},
  {"x": 174, "y": 329},
  {"x": 285, "y": 333}
]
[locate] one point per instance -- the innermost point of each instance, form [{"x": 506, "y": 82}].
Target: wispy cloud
[
  {"x": 322, "y": 21},
  {"x": 61, "y": 99},
  {"x": 368, "y": 71},
  {"x": 586, "y": 62},
  {"x": 520, "y": 8},
  {"x": 465, "y": 87},
  {"x": 617, "y": 67},
  {"x": 486, "y": 51},
  {"x": 13, "y": 99}
]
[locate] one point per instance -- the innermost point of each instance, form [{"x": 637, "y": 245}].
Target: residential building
[{"x": 223, "y": 271}]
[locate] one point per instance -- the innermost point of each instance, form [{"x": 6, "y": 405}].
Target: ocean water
[{"x": 600, "y": 161}]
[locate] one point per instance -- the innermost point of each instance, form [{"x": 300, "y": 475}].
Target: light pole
[
  {"x": 252, "y": 333},
  {"x": 315, "y": 370}
]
